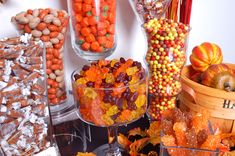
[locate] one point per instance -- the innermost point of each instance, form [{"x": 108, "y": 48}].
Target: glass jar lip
[
  {"x": 145, "y": 77},
  {"x": 144, "y": 27},
  {"x": 186, "y": 148}
]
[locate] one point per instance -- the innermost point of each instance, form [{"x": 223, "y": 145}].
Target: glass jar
[
  {"x": 184, "y": 151},
  {"x": 166, "y": 56},
  {"x": 24, "y": 114},
  {"x": 50, "y": 26},
  {"x": 149, "y": 9},
  {"x": 92, "y": 28},
  {"x": 71, "y": 137},
  {"x": 188, "y": 133}
]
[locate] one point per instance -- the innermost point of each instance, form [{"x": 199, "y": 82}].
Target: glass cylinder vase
[
  {"x": 92, "y": 28},
  {"x": 50, "y": 26},
  {"x": 166, "y": 56}
]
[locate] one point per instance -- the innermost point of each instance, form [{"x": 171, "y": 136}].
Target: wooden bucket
[{"x": 219, "y": 103}]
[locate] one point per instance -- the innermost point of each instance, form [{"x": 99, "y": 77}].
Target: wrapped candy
[{"x": 23, "y": 105}]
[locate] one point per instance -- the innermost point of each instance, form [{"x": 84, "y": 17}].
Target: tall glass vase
[
  {"x": 92, "y": 28},
  {"x": 166, "y": 55}
]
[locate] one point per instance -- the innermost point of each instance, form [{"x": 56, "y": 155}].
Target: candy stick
[
  {"x": 189, "y": 6},
  {"x": 180, "y": 129}
]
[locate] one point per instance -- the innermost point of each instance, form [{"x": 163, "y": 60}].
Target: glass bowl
[
  {"x": 113, "y": 106},
  {"x": 110, "y": 94}
]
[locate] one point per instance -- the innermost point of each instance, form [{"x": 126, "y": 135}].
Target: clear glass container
[
  {"x": 107, "y": 106},
  {"x": 50, "y": 26},
  {"x": 92, "y": 28},
  {"x": 25, "y": 122},
  {"x": 149, "y": 9},
  {"x": 166, "y": 56},
  {"x": 71, "y": 137},
  {"x": 186, "y": 151}
]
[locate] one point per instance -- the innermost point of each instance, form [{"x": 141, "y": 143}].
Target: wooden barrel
[{"x": 219, "y": 103}]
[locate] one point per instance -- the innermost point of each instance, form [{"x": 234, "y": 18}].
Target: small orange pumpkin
[
  {"x": 205, "y": 55},
  {"x": 219, "y": 76}
]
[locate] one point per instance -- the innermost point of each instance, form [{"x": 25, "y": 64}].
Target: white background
[{"x": 211, "y": 20}]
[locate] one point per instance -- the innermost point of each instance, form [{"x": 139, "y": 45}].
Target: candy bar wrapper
[{"x": 25, "y": 127}]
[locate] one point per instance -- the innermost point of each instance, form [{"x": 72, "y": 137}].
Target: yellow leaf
[
  {"x": 155, "y": 140},
  {"x": 85, "y": 154},
  {"x": 154, "y": 129},
  {"x": 123, "y": 141},
  {"x": 137, "y": 145},
  {"x": 136, "y": 131}
]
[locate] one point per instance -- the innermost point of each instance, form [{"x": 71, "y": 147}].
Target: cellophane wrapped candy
[{"x": 24, "y": 113}]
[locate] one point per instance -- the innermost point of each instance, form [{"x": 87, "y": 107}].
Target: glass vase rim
[
  {"x": 188, "y": 30},
  {"x": 188, "y": 148}
]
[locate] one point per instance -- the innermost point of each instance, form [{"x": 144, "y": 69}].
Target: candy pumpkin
[
  {"x": 219, "y": 76},
  {"x": 205, "y": 55}
]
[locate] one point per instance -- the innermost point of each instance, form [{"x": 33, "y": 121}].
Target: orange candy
[
  {"x": 41, "y": 26},
  {"x": 95, "y": 46},
  {"x": 86, "y": 46},
  {"x": 54, "y": 34},
  {"x": 90, "y": 38}
]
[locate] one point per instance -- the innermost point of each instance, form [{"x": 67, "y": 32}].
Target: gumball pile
[
  {"x": 166, "y": 56},
  {"x": 111, "y": 92}
]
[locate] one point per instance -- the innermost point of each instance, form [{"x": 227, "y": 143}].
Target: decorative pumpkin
[
  {"x": 196, "y": 77},
  {"x": 219, "y": 76},
  {"x": 205, "y": 55}
]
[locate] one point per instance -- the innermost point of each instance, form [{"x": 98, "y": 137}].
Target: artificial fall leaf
[
  {"x": 228, "y": 139},
  {"x": 136, "y": 131},
  {"x": 152, "y": 153},
  {"x": 155, "y": 140},
  {"x": 123, "y": 141},
  {"x": 137, "y": 145},
  {"x": 232, "y": 153},
  {"x": 227, "y": 135},
  {"x": 85, "y": 154},
  {"x": 132, "y": 153},
  {"x": 154, "y": 129},
  {"x": 223, "y": 148}
]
